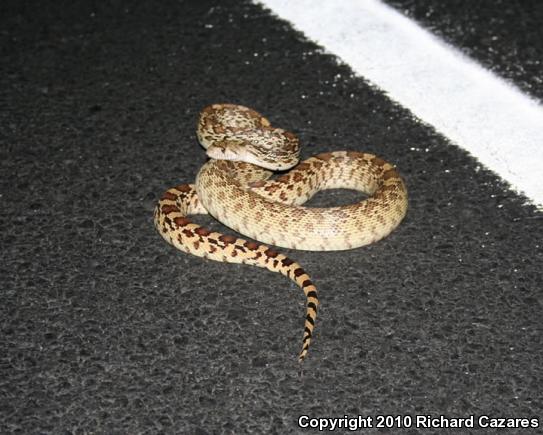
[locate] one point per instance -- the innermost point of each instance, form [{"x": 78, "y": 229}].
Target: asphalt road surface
[{"x": 107, "y": 329}]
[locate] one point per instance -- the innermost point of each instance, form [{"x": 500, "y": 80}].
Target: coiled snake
[{"x": 233, "y": 187}]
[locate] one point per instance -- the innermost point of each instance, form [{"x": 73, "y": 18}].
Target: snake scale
[{"x": 234, "y": 187}]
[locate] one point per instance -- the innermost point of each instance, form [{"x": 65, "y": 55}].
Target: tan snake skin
[{"x": 237, "y": 193}]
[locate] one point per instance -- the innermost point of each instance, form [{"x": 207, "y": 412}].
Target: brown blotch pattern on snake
[{"x": 233, "y": 187}]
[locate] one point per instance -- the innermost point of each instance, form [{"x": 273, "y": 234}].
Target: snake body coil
[{"x": 237, "y": 192}]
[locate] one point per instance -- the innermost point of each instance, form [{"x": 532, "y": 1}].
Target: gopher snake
[{"x": 237, "y": 193}]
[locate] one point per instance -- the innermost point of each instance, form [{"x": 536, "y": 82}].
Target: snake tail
[{"x": 177, "y": 229}]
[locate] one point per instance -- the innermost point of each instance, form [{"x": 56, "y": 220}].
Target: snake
[{"x": 235, "y": 186}]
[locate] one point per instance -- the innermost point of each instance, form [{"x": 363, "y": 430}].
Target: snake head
[
  {"x": 232, "y": 132},
  {"x": 270, "y": 148},
  {"x": 226, "y": 149}
]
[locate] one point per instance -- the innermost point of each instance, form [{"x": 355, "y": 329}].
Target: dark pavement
[{"x": 107, "y": 329}]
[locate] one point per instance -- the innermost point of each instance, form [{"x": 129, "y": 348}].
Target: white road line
[{"x": 475, "y": 109}]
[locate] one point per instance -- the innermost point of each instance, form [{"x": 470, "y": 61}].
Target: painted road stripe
[{"x": 475, "y": 109}]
